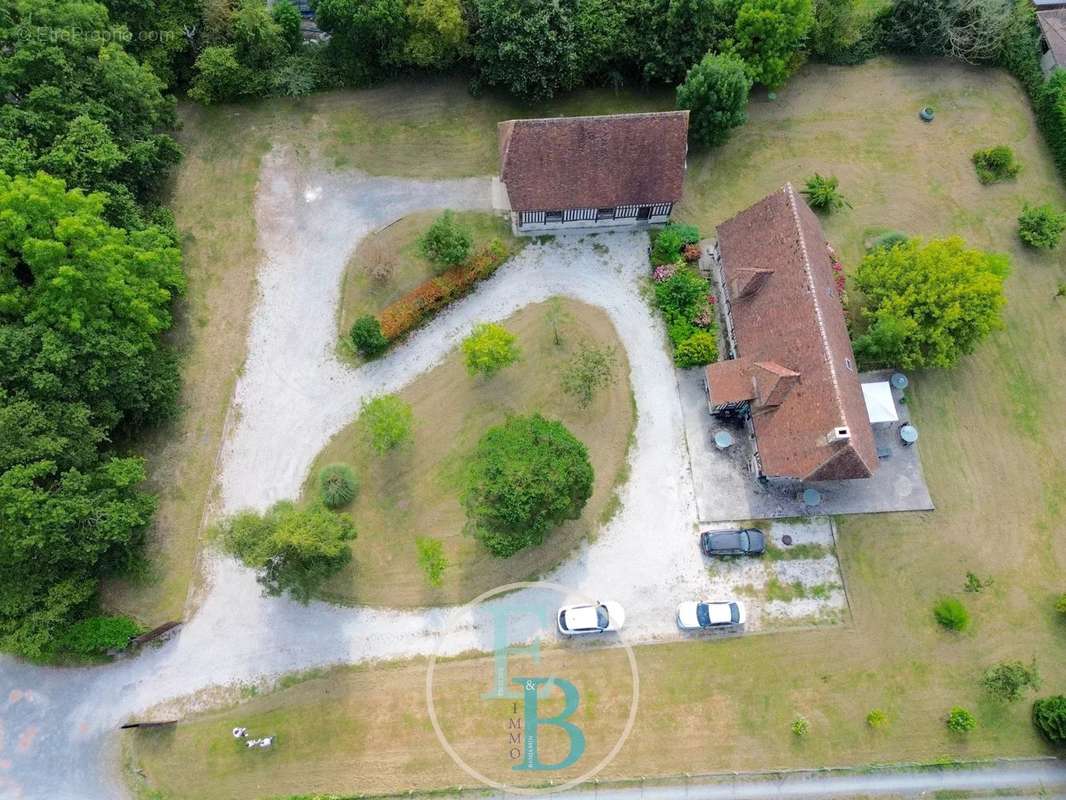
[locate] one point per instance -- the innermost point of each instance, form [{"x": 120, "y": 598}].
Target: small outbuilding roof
[
  {"x": 594, "y": 162},
  {"x": 1053, "y": 26}
]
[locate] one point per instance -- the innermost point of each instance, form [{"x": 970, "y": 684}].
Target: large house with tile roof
[
  {"x": 591, "y": 172},
  {"x": 792, "y": 373}
]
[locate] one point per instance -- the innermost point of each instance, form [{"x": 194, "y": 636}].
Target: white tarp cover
[{"x": 879, "y": 403}]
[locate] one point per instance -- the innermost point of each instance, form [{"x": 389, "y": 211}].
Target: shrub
[
  {"x": 589, "y": 370},
  {"x": 524, "y": 478},
  {"x": 422, "y": 302},
  {"x": 995, "y": 164},
  {"x": 671, "y": 240},
  {"x": 367, "y": 337},
  {"x": 489, "y": 348},
  {"x": 886, "y": 241},
  {"x": 1049, "y": 716},
  {"x": 386, "y": 422},
  {"x": 959, "y": 720},
  {"x": 715, "y": 92},
  {"x": 446, "y": 243},
  {"x": 1060, "y": 604},
  {"x": 698, "y": 349},
  {"x": 928, "y": 303},
  {"x": 1009, "y": 680},
  {"x": 1041, "y": 226},
  {"x": 691, "y": 253},
  {"x": 823, "y": 194},
  {"x": 431, "y": 559},
  {"x": 800, "y": 726},
  {"x": 974, "y": 584},
  {"x": 952, "y": 614},
  {"x": 293, "y": 550},
  {"x": 337, "y": 485},
  {"x": 95, "y": 636},
  {"x": 877, "y": 719}
]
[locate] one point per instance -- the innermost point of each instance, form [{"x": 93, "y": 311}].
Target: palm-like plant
[{"x": 823, "y": 194}]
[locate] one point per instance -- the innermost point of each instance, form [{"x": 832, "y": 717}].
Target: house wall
[
  {"x": 1048, "y": 63},
  {"x": 533, "y": 223}
]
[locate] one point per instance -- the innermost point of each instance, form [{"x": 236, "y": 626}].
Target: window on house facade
[
  {"x": 605, "y": 213},
  {"x": 553, "y": 216}
]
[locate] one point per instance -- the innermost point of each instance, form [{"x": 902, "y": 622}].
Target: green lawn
[
  {"x": 992, "y": 447},
  {"x": 414, "y": 491}
]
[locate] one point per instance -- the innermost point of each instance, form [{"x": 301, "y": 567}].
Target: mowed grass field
[
  {"x": 992, "y": 446},
  {"x": 414, "y": 491}
]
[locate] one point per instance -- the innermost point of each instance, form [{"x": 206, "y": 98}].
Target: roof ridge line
[
  {"x": 563, "y": 117},
  {"x": 791, "y": 197}
]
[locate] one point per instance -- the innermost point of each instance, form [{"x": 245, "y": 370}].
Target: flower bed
[
  {"x": 683, "y": 296},
  {"x": 418, "y": 305}
]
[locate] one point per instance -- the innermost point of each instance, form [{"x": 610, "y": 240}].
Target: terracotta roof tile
[
  {"x": 795, "y": 321},
  {"x": 593, "y": 162}
]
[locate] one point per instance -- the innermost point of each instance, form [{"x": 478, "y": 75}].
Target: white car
[
  {"x": 595, "y": 618},
  {"x": 695, "y": 616}
]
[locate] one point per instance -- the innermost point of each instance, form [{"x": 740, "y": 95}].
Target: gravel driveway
[{"x": 292, "y": 396}]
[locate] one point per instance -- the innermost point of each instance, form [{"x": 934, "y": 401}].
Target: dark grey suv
[{"x": 745, "y": 542}]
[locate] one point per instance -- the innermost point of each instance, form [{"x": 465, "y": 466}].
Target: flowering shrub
[
  {"x": 703, "y": 319},
  {"x": 691, "y": 253},
  {"x": 664, "y": 272},
  {"x": 414, "y": 307}
]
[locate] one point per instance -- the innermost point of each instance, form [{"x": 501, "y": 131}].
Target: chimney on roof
[
  {"x": 773, "y": 382},
  {"x": 841, "y": 434},
  {"x": 746, "y": 282}
]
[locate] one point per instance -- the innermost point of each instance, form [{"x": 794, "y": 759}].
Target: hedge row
[{"x": 427, "y": 299}]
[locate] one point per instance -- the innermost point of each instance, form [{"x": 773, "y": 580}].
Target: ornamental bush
[
  {"x": 928, "y": 303},
  {"x": 951, "y": 614},
  {"x": 489, "y": 348},
  {"x": 995, "y": 164},
  {"x": 1049, "y": 716},
  {"x": 1009, "y": 681},
  {"x": 386, "y": 422},
  {"x": 1041, "y": 226},
  {"x": 877, "y": 719},
  {"x": 367, "y": 337},
  {"x": 525, "y": 477},
  {"x": 698, "y": 349},
  {"x": 337, "y": 485},
  {"x": 959, "y": 720},
  {"x": 800, "y": 727},
  {"x": 425, "y": 300},
  {"x": 1060, "y": 604},
  {"x": 715, "y": 92},
  {"x": 446, "y": 243},
  {"x": 670, "y": 241},
  {"x": 823, "y": 194},
  {"x": 431, "y": 559},
  {"x": 588, "y": 371}
]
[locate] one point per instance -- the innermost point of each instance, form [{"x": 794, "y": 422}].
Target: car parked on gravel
[
  {"x": 602, "y": 617},
  {"x": 715, "y": 615},
  {"x": 741, "y": 542}
]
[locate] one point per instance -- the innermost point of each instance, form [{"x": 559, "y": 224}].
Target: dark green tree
[
  {"x": 768, "y": 36},
  {"x": 715, "y": 92},
  {"x": 366, "y": 35},
  {"x": 525, "y": 477}
]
